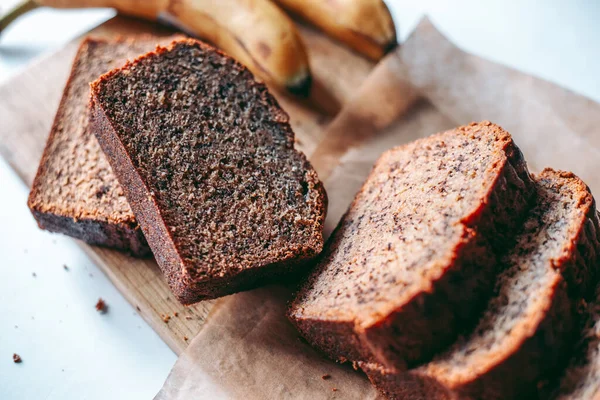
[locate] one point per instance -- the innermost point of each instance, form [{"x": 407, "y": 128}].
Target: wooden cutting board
[{"x": 28, "y": 103}]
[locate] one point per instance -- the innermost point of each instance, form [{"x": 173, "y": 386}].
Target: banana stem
[{"x": 20, "y": 9}]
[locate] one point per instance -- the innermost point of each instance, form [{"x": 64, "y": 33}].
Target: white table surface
[{"x": 70, "y": 351}]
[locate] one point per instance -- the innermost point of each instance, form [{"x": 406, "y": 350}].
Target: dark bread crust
[
  {"x": 184, "y": 284},
  {"x": 415, "y": 331},
  {"x": 122, "y": 236},
  {"x": 94, "y": 226},
  {"x": 539, "y": 347}
]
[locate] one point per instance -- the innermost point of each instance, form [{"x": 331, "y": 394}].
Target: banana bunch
[{"x": 257, "y": 32}]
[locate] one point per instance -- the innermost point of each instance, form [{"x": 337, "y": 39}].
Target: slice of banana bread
[
  {"x": 581, "y": 380},
  {"x": 410, "y": 263},
  {"x": 207, "y": 161},
  {"x": 74, "y": 191},
  {"x": 527, "y": 330}
]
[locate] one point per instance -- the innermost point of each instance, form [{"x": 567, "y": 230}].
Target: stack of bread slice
[
  {"x": 186, "y": 143},
  {"x": 457, "y": 274}
]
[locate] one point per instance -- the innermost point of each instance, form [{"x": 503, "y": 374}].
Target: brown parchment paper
[{"x": 248, "y": 349}]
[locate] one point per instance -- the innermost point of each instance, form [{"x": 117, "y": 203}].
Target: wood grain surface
[{"x": 28, "y": 103}]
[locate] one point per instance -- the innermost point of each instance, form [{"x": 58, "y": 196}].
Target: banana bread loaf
[
  {"x": 74, "y": 191},
  {"x": 527, "y": 330},
  {"x": 207, "y": 161},
  {"x": 410, "y": 263}
]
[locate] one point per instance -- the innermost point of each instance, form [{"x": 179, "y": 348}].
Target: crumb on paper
[
  {"x": 101, "y": 306},
  {"x": 166, "y": 318},
  {"x": 334, "y": 390},
  {"x": 16, "y": 326},
  {"x": 176, "y": 314},
  {"x": 188, "y": 317},
  {"x": 17, "y": 358},
  {"x": 326, "y": 376},
  {"x": 185, "y": 338},
  {"x": 65, "y": 267},
  {"x": 33, "y": 274}
]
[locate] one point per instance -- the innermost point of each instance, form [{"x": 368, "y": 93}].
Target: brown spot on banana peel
[
  {"x": 263, "y": 49},
  {"x": 254, "y": 60}
]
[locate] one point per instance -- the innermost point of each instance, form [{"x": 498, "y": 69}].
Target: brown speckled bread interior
[
  {"x": 410, "y": 263},
  {"x": 75, "y": 191},
  {"x": 206, "y": 157}
]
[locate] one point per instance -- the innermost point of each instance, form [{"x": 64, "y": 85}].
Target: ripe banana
[
  {"x": 364, "y": 25},
  {"x": 255, "y": 32}
]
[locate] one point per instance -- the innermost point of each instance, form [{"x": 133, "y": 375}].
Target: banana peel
[{"x": 364, "y": 25}]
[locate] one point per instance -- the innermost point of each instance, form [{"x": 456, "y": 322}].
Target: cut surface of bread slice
[
  {"x": 75, "y": 191},
  {"x": 207, "y": 161},
  {"x": 526, "y": 332},
  {"x": 410, "y": 262},
  {"x": 581, "y": 380}
]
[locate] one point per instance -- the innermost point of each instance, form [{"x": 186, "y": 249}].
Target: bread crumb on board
[
  {"x": 101, "y": 306},
  {"x": 17, "y": 358}
]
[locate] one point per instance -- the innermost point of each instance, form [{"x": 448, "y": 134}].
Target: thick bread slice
[
  {"x": 207, "y": 161},
  {"x": 527, "y": 330},
  {"x": 410, "y": 263},
  {"x": 74, "y": 191}
]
